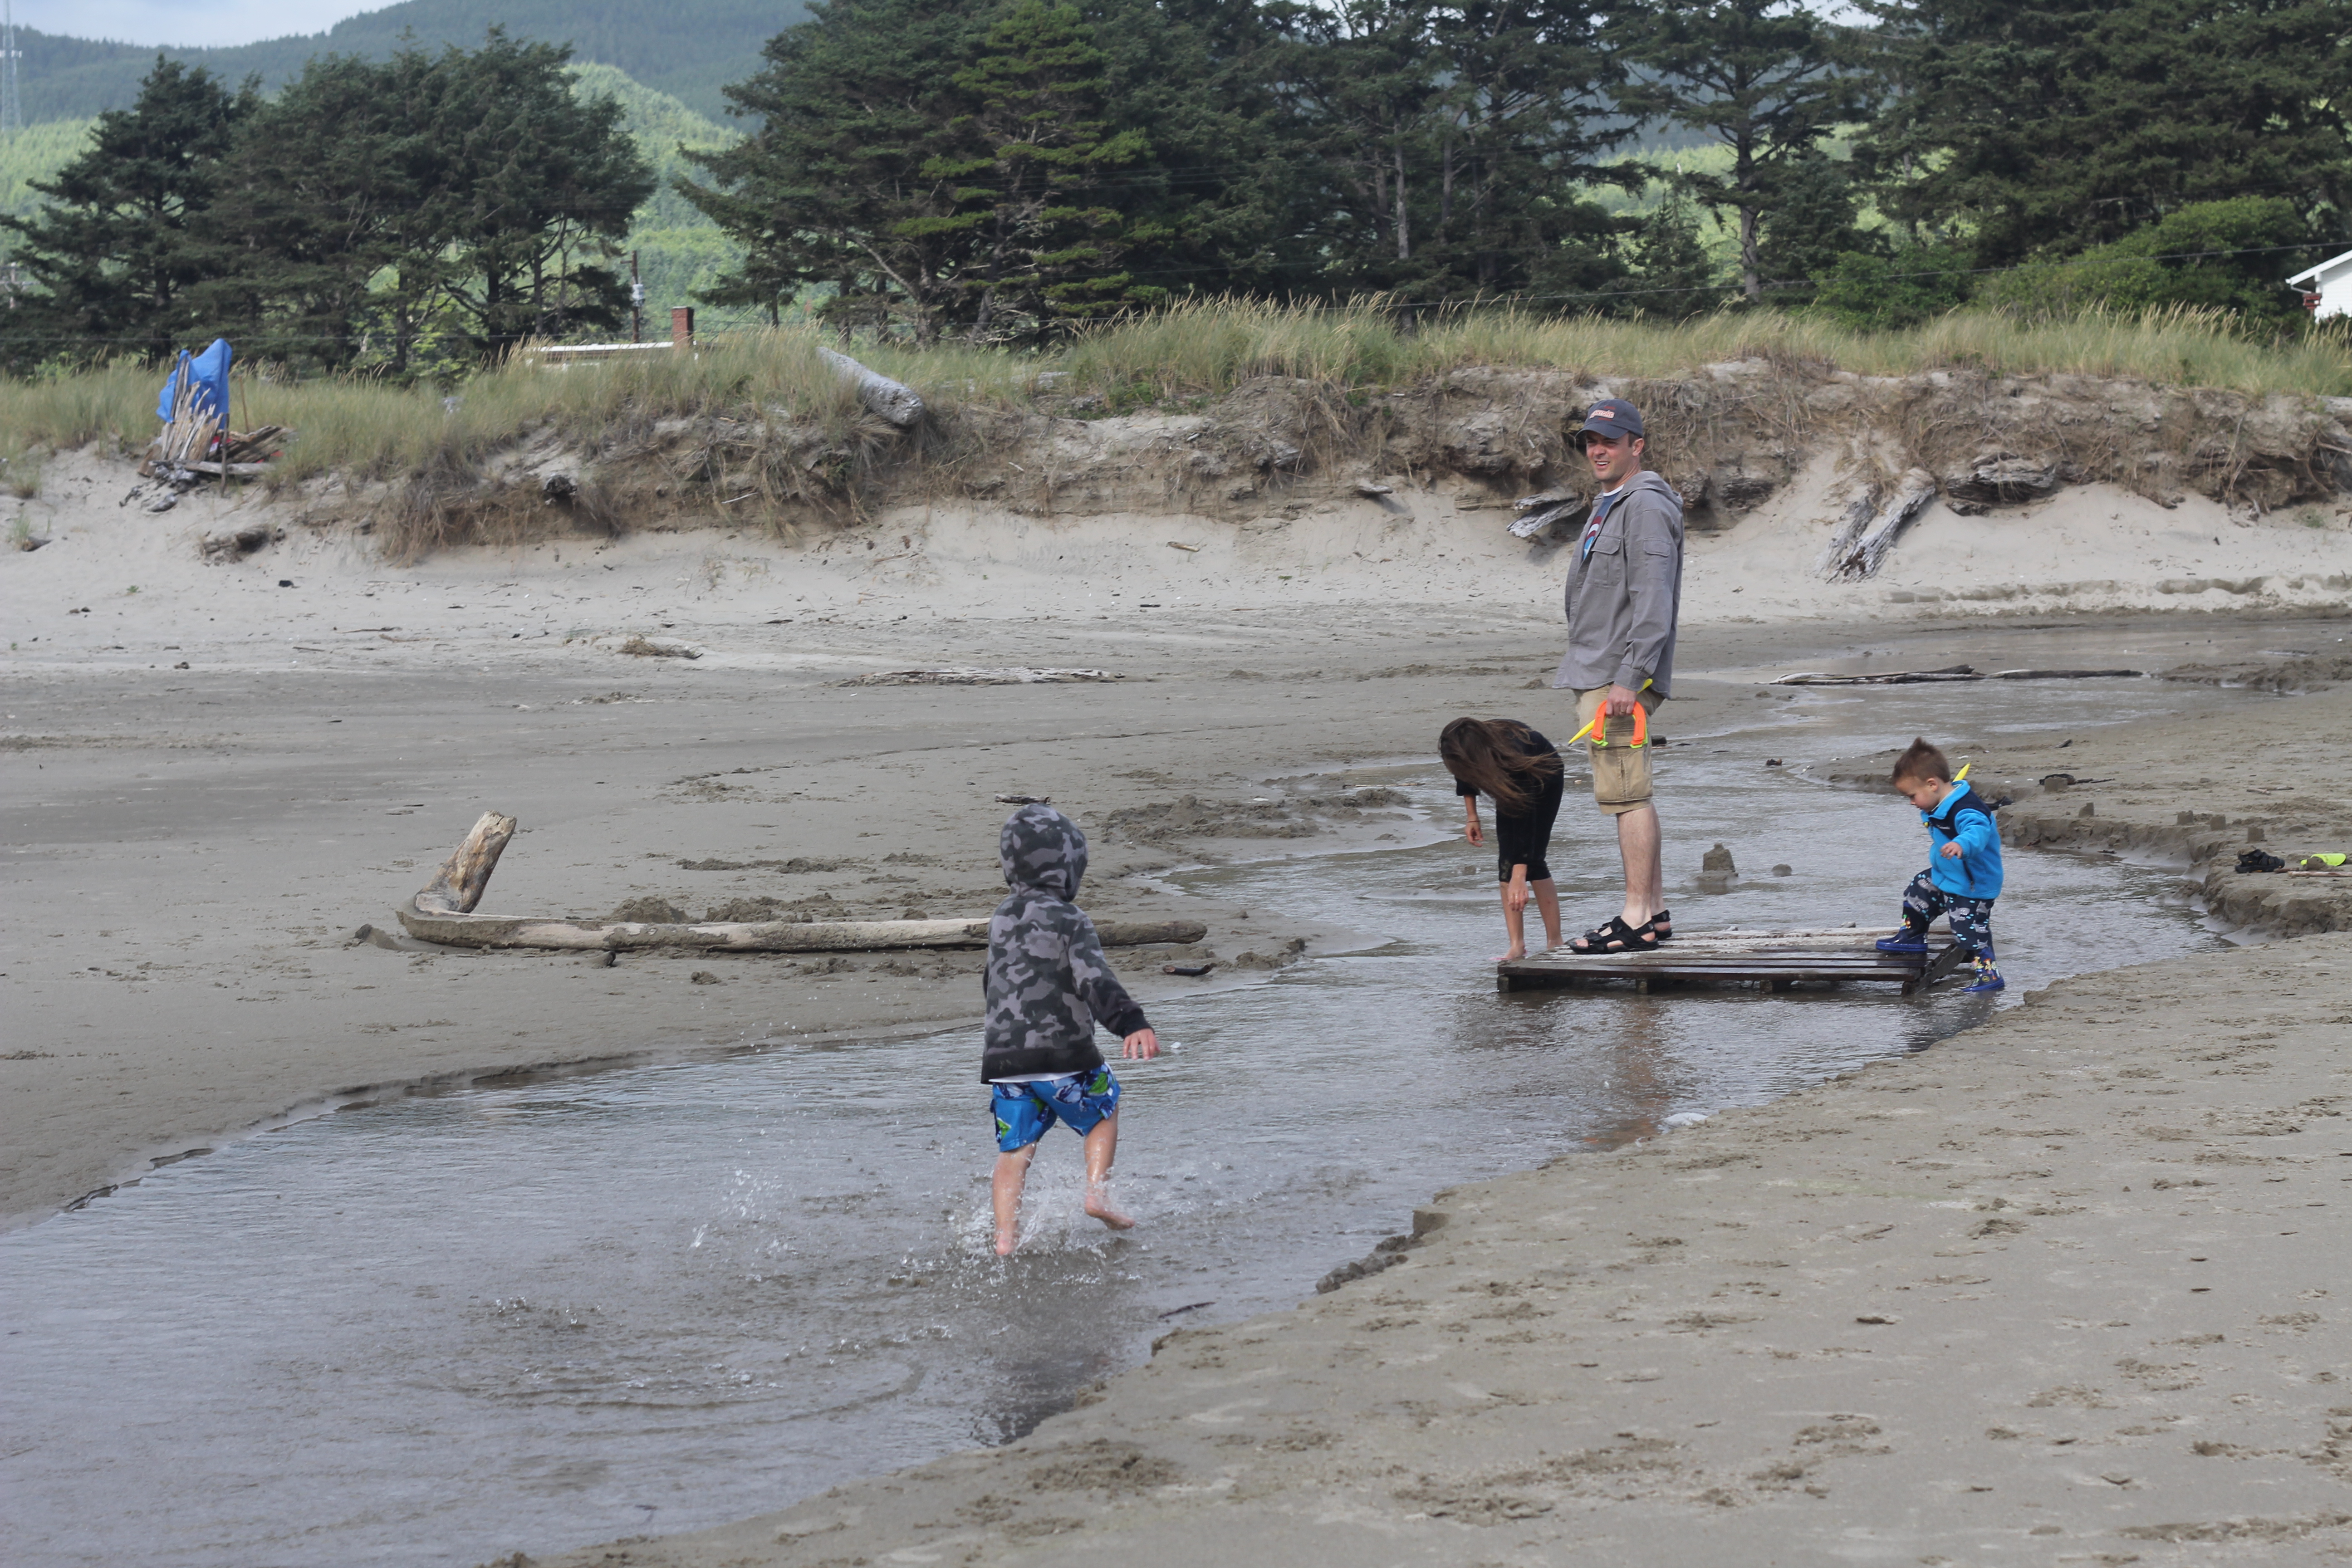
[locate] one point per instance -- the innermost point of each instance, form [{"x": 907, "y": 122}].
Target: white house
[{"x": 2329, "y": 284}]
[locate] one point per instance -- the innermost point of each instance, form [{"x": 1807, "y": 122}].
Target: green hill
[{"x": 688, "y": 52}]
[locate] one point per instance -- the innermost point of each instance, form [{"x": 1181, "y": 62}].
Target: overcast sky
[{"x": 154, "y": 22}]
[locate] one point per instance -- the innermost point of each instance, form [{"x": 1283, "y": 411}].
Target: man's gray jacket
[{"x": 1625, "y": 594}]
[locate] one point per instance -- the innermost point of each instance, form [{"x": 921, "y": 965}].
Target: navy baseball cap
[{"x": 1614, "y": 416}]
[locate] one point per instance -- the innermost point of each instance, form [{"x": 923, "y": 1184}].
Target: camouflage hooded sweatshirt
[{"x": 1047, "y": 984}]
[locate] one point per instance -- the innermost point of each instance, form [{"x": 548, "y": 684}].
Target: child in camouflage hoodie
[{"x": 1047, "y": 985}]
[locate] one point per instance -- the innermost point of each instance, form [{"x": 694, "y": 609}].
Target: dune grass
[
  {"x": 1206, "y": 348},
  {"x": 372, "y": 429}
]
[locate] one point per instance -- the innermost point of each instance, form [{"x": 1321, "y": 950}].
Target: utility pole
[
  {"x": 11, "y": 101},
  {"x": 636, "y": 299}
]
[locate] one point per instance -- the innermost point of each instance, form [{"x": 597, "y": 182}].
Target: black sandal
[
  {"x": 1616, "y": 937},
  {"x": 1662, "y": 926}
]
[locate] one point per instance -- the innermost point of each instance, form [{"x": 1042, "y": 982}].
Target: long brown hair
[{"x": 1490, "y": 756}]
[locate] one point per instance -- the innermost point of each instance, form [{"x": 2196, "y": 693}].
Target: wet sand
[
  {"x": 193, "y": 850},
  {"x": 2062, "y": 1288}
]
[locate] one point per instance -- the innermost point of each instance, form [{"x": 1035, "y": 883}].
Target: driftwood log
[
  {"x": 465, "y": 877},
  {"x": 1871, "y": 524},
  {"x": 443, "y": 912},
  {"x": 896, "y": 403}
]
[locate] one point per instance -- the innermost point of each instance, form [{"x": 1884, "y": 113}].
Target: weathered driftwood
[
  {"x": 1954, "y": 672},
  {"x": 749, "y": 936},
  {"x": 1872, "y": 522},
  {"x": 442, "y": 912},
  {"x": 896, "y": 404},
  {"x": 465, "y": 877},
  {"x": 962, "y": 675},
  {"x": 1545, "y": 508}
]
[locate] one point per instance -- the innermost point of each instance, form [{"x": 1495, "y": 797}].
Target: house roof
[{"x": 2326, "y": 271}]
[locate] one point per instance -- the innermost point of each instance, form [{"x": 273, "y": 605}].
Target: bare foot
[
  {"x": 1006, "y": 1241},
  {"x": 1511, "y": 957},
  {"x": 1099, "y": 1206}
]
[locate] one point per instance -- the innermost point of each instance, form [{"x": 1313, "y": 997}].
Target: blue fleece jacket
[{"x": 1964, "y": 817}]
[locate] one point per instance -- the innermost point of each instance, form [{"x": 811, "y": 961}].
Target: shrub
[{"x": 2226, "y": 256}]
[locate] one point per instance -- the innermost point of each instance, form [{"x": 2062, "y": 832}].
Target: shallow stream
[{"x": 556, "y": 1312}]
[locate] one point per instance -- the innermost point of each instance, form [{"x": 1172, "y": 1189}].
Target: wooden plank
[{"x": 1771, "y": 961}]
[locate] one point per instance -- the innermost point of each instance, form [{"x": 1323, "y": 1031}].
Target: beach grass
[{"x": 367, "y": 428}]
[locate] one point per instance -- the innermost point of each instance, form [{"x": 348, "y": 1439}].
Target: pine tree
[
  {"x": 534, "y": 191},
  {"x": 1767, "y": 79},
  {"x": 2047, "y": 128},
  {"x": 1449, "y": 142},
  {"x": 852, "y": 105},
  {"x": 112, "y": 259},
  {"x": 321, "y": 194},
  {"x": 1032, "y": 198}
]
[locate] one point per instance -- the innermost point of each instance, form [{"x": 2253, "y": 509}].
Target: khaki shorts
[{"x": 1621, "y": 770}]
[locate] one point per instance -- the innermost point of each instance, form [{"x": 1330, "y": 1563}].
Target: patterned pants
[{"x": 1971, "y": 918}]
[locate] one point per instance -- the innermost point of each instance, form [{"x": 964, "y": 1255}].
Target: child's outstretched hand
[
  {"x": 1952, "y": 851},
  {"x": 1142, "y": 1046}
]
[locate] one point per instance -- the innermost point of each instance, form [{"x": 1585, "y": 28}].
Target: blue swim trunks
[{"x": 1025, "y": 1111}]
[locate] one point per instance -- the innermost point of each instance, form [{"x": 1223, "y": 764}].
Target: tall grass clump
[
  {"x": 380, "y": 431},
  {"x": 1209, "y": 346}
]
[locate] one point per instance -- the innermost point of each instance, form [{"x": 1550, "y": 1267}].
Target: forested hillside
[
  {"x": 678, "y": 248},
  {"x": 688, "y": 49},
  {"x": 1011, "y": 171}
]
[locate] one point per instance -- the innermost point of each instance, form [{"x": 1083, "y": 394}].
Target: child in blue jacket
[{"x": 1963, "y": 874}]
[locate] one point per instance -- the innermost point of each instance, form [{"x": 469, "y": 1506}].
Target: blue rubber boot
[
  {"x": 1988, "y": 979},
  {"x": 1908, "y": 940}
]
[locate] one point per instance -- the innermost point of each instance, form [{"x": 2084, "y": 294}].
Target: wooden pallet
[{"x": 1770, "y": 960}]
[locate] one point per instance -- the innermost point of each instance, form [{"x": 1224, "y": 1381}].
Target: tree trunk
[
  {"x": 1403, "y": 222},
  {"x": 1752, "y": 273}
]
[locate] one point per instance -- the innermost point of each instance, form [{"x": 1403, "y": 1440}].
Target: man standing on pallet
[{"x": 1624, "y": 597}]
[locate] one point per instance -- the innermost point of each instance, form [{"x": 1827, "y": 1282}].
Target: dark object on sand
[
  {"x": 442, "y": 912},
  {"x": 2254, "y": 861},
  {"x": 1771, "y": 961},
  {"x": 1024, "y": 800},
  {"x": 2056, "y": 782},
  {"x": 1193, "y": 969},
  {"x": 1954, "y": 672}
]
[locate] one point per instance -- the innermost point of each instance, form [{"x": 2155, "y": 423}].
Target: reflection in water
[{"x": 548, "y": 1315}]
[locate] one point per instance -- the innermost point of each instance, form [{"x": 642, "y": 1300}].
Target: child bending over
[
  {"x": 1518, "y": 769},
  {"x": 1047, "y": 985},
  {"x": 1963, "y": 874}
]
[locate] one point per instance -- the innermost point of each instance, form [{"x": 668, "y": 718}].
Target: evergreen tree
[
  {"x": 1031, "y": 201},
  {"x": 112, "y": 259},
  {"x": 532, "y": 191},
  {"x": 852, "y": 107},
  {"x": 321, "y": 193},
  {"x": 1812, "y": 224},
  {"x": 1448, "y": 141},
  {"x": 1767, "y": 79},
  {"x": 2054, "y": 126}
]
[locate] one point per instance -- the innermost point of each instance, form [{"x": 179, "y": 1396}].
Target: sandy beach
[{"x": 2056, "y": 1289}]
